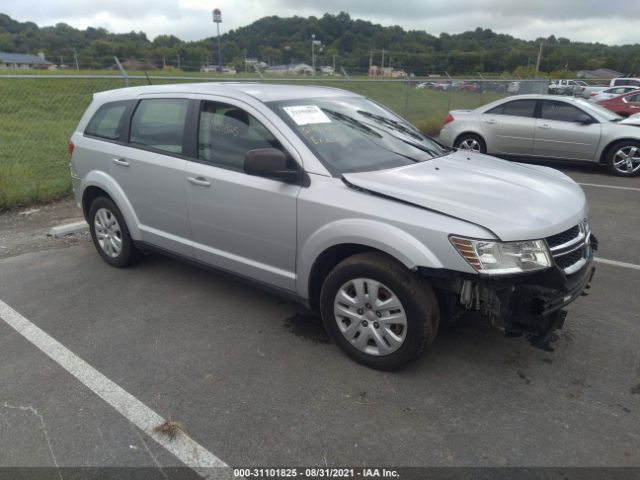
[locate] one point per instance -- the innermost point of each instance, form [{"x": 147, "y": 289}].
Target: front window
[{"x": 352, "y": 134}]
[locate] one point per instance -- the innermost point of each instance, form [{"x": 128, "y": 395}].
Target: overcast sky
[{"x": 613, "y": 22}]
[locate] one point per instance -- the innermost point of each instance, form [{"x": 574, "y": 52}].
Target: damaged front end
[{"x": 523, "y": 304}]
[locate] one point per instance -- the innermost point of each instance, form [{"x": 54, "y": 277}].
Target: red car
[{"x": 624, "y": 105}]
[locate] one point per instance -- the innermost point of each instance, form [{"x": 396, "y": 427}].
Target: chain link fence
[{"x": 39, "y": 112}]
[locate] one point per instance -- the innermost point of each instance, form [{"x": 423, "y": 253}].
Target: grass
[{"x": 37, "y": 115}]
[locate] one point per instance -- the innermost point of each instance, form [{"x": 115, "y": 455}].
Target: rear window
[
  {"x": 626, "y": 81},
  {"x": 107, "y": 121}
]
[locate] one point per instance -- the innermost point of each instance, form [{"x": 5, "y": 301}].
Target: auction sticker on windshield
[{"x": 306, "y": 114}]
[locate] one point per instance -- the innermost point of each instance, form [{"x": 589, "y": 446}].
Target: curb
[{"x": 68, "y": 229}]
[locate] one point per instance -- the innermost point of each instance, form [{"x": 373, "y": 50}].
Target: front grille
[
  {"x": 571, "y": 249},
  {"x": 566, "y": 261},
  {"x": 563, "y": 237}
]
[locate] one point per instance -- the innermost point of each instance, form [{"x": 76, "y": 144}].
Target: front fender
[
  {"x": 384, "y": 237},
  {"x": 102, "y": 180}
]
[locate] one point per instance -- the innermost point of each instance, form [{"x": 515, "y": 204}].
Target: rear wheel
[
  {"x": 623, "y": 159},
  {"x": 378, "y": 312},
  {"x": 469, "y": 141},
  {"x": 110, "y": 234}
]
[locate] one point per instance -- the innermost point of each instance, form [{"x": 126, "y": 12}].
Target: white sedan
[{"x": 608, "y": 93}]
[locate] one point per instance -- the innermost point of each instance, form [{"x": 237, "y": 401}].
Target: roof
[
  {"x": 260, "y": 91},
  {"x": 22, "y": 58}
]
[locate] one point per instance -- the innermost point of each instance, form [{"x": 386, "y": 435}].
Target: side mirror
[
  {"x": 270, "y": 163},
  {"x": 585, "y": 119}
]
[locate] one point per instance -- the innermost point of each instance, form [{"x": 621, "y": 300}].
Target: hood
[{"x": 513, "y": 200}]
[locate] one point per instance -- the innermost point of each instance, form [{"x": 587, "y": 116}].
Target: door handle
[
  {"x": 200, "y": 181},
  {"x": 545, "y": 126},
  {"x": 120, "y": 161},
  {"x": 492, "y": 121}
]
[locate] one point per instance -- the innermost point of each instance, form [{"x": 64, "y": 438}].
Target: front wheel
[
  {"x": 378, "y": 312},
  {"x": 471, "y": 142},
  {"x": 623, "y": 159}
]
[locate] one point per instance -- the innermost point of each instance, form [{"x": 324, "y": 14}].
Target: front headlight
[{"x": 495, "y": 258}]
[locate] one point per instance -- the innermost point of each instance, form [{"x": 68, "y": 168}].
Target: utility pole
[
  {"x": 382, "y": 66},
  {"x": 370, "y": 60},
  {"x": 539, "y": 58},
  {"x": 334, "y": 63},
  {"x": 178, "y": 61},
  {"x": 75, "y": 56}
]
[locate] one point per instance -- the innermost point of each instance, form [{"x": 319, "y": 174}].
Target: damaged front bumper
[{"x": 529, "y": 304}]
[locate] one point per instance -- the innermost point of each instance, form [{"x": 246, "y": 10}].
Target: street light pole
[
  {"x": 217, "y": 18},
  {"x": 313, "y": 52}
]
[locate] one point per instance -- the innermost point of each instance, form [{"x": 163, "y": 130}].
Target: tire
[
  {"x": 363, "y": 331},
  {"x": 472, "y": 142},
  {"x": 623, "y": 158},
  {"x": 110, "y": 234}
]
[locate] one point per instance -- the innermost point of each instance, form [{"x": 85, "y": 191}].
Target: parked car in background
[
  {"x": 334, "y": 201},
  {"x": 610, "y": 92},
  {"x": 591, "y": 90},
  {"x": 567, "y": 87},
  {"x": 623, "y": 105},
  {"x": 542, "y": 126},
  {"x": 632, "y": 120},
  {"x": 625, "y": 81}
]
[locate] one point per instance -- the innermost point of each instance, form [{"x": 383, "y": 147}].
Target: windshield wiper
[{"x": 391, "y": 123}]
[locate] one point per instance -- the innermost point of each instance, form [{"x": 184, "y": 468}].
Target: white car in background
[
  {"x": 632, "y": 120},
  {"x": 608, "y": 93}
]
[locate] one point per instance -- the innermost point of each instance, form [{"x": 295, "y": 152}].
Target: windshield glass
[
  {"x": 605, "y": 113},
  {"x": 351, "y": 134}
]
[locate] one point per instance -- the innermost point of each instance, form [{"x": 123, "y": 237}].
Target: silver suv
[{"x": 329, "y": 198}]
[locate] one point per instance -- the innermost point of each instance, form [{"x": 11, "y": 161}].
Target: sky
[{"x": 614, "y": 22}]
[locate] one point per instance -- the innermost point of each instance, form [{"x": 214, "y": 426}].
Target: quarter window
[
  {"x": 107, "y": 121},
  {"x": 560, "y": 111},
  {"x": 633, "y": 98},
  {"x": 226, "y": 133},
  {"x": 159, "y": 123},
  {"x": 516, "y": 108}
]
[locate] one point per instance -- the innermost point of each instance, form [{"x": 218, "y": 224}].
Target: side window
[
  {"x": 560, "y": 111},
  {"x": 107, "y": 121},
  {"x": 159, "y": 123},
  {"x": 226, "y": 133},
  {"x": 517, "y": 108},
  {"x": 633, "y": 98}
]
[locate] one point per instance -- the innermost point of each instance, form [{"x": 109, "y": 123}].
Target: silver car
[
  {"x": 608, "y": 93},
  {"x": 541, "y": 126},
  {"x": 330, "y": 199}
]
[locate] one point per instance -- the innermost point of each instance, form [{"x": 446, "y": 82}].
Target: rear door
[
  {"x": 241, "y": 223},
  {"x": 509, "y": 127},
  {"x": 560, "y": 132},
  {"x": 150, "y": 170}
]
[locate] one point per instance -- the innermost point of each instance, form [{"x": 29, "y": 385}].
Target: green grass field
[{"x": 37, "y": 115}]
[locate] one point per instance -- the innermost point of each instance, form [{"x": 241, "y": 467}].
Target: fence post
[
  {"x": 406, "y": 100},
  {"x": 450, "y": 92},
  {"x": 124, "y": 74}
]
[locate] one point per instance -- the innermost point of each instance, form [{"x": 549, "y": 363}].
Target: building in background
[{"x": 23, "y": 61}]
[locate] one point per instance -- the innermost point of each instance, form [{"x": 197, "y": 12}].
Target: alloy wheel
[{"x": 108, "y": 232}]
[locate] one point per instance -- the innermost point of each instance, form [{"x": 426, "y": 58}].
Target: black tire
[
  {"x": 128, "y": 253},
  {"x": 416, "y": 297},
  {"x": 612, "y": 156},
  {"x": 470, "y": 138}
]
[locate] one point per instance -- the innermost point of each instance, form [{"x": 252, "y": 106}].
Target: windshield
[
  {"x": 351, "y": 134},
  {"x": 603, "y": 112}
]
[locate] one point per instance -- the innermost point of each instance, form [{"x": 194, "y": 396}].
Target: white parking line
[
  {"x": 615, "y": 187},
  {"x": 190, "y": 452},
  {"x": 617, "y": 263}
]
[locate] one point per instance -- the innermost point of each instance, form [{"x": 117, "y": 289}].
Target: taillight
[
  {"x": 71, "y": 147},
  {"x": 448, "y": 119},
  {"x": 593, "y": 94}
]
